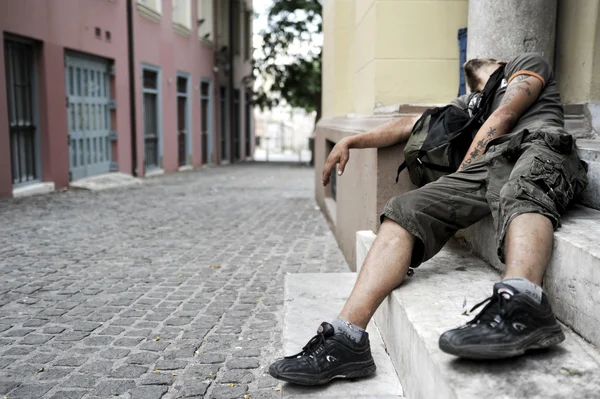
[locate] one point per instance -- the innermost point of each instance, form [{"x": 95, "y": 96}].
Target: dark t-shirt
[{"x": 546, "y": 113}]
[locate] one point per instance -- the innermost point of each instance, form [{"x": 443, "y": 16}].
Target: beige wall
[
  {"x": 381, "y": 52},
  {"x": 578, "y": 50}
]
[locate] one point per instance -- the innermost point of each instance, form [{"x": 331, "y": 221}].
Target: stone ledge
[
  {"x": 105, "y": 181},
  {"x": 581, "y": 120},
  {"x": 154, "y": 172},
  {"x": 413, "y": 317},
  {"x": 28, "y": 190}
]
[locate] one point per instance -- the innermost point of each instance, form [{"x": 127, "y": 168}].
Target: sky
[
  {"x": 261, "y": 10},
  {"x": 261, "y": 7}
]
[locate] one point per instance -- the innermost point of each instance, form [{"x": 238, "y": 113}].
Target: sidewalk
[{"x": 173, "y": 288}]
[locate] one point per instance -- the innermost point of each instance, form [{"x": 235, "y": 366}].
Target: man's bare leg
[
  {"x": 528, "y": 247},
  {"x": 326, "y": 356},
  {"x": 383, "y": 270}
]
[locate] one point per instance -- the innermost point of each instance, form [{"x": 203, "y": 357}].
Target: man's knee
[
  {"x": 393, "y": 230},
  {"x": 527, "y": 195}
]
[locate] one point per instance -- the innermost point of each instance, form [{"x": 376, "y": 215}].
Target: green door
[{"x": 88, "y": 111}]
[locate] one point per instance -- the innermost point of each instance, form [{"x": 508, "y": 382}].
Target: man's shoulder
[
  {"x": 529, "y": 57},
  {"x": 529, "y": 63}
]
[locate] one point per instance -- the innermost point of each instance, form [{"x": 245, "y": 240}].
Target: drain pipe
[{"x": 132, "y": 96}]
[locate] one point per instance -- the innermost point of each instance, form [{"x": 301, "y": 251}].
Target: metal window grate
[
  {"x": 181, "y": 85},
  {"x": 182, "y": 116},
  {"x": 150, "y": 131},
  {"x": 236, "y": 124},
  {"x": 204, "y": 89},
  {"x": 19, "y": 61},
  {"x": 224, "y": 117},
  {"x": 151, "y": 125},
  {"x": 150, "y": 79},
  {"x": 204, "y": 116},
  {"x": 248, "y": 121},
  {"x": 181, "y": 130}
]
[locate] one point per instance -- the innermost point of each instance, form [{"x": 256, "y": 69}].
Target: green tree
[{"x": 290, "y": 63}]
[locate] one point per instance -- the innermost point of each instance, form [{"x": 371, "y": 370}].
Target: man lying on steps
[{"x": 525, "y": 187}]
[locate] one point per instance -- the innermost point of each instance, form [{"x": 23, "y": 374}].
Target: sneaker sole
[
  {"x": 540, "y": 339},
  {"x": 349, "y": 371}
]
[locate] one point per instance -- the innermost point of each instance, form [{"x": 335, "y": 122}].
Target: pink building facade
[{"x": 65, "y": 93}]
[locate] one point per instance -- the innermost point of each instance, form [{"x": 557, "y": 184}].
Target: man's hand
[
  {"x": 340, "y": 154},
  {"x": 392, "y": 132}
]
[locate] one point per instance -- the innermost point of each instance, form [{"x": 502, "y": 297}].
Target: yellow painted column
[{"x": 338, "y": 57}]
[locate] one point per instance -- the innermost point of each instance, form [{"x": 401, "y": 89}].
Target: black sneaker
[
  {"x": 326, "y": 356},
  {"x": 509, "y": 325}
]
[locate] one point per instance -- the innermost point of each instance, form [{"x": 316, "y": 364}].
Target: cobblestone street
[{"x": 170, "y": 289}]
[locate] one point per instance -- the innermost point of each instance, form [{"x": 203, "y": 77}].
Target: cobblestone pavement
[{"x": 166, "y": 290}]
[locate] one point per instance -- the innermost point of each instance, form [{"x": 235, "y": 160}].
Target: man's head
[{"x": 478, "y": 71}]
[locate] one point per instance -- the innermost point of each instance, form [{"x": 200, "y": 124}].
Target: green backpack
[{"x": 442, "y": 136}]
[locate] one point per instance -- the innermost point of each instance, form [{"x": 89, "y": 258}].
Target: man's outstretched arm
[
  {"x": 390, "y": 133},
  {"x": 521, "y": 93}
]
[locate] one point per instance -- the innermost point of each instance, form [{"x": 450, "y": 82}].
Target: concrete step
[
  {"x": 572, "y": 279},
  {"x": 105, "y": 181},
  {"x": 414, "y": 316},
  {"x": 312, "y": 298},
  {"x": 589, "y": 151}
]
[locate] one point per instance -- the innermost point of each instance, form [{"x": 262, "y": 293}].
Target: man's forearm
[
  {"x": 522, "y": 91},
  {"x": 495, "y": 126},
  {"x": 390, "y": 133}
]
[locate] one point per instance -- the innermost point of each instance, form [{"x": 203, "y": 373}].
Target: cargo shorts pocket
[
  {"x": 548, "y": 184},
  {"x": 560, "y": 142}
]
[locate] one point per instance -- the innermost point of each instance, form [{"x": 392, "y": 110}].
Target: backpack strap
[
  {"x": 400, "y": 169},
  {"x": 419, "y": 123},
  {"x": 432, "y": 166},
  {"x": 487, "y": 96}
]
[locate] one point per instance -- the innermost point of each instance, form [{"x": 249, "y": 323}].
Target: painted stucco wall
[
  {"x": 60, "y": 25},
  {"x": 158, "y": 44}
]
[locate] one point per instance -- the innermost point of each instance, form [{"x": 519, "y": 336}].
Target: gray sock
[
  {"x": 525, "y": 286},
  {"x": 355, "y": 333}
]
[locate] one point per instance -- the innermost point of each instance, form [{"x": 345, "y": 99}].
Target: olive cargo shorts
[{"x": 525, "y": 172}]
